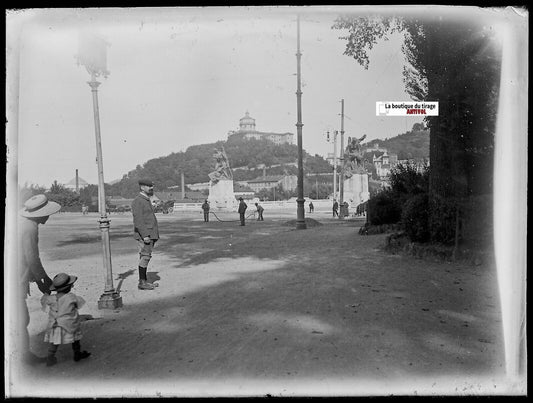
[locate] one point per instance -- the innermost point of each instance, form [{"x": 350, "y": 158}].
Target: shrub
[
  {"x": 415, "y": 218},
  {"x": 406, "y": 179},
  {"x": 384, "y": 208}
]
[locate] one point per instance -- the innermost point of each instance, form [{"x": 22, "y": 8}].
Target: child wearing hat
[{"x": 64, "y": 326}]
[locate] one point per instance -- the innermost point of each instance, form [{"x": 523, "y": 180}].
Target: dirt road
[{"x": 267, "y": 309}]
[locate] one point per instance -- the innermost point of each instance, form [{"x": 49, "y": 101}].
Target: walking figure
[
  {"x": 311, "y": 207},
  {"x": 335, "y": 208},
  {"x": 64, "y": 325},
  {"x": 242, "y": 209},
  {"x": 260, "y": 210},
  {"x": 205, "y": 207}
]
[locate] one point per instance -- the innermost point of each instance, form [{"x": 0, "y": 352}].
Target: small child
[{"x": 64, "y": 326}]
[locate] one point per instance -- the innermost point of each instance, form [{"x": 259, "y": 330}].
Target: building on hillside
[
  {"x": 383, "y": 164},
  {"x": 248, "y": 130},
  {"x": 375, "y": 147},
  {"x": 244, "y": 191},
  {"x": 287, "y": 182}
]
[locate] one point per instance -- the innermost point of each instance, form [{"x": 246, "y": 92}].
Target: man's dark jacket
[{"x": 144, "y": 220}]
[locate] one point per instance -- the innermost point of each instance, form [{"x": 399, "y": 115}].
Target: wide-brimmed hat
[
  {"x": 62, "y": 281},
  {"x": 39, "y": 206}
]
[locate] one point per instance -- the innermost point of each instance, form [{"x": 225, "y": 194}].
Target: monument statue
[
  {"x": 221, "y": 193},
  {"x": 222, "y": 168},
  {"x": 354, "y": 174},
  {"x": 353, "y": 157}
]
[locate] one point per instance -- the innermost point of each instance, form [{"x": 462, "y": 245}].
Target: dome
[
  {"x": 247, "y": 123},
  {"x": 247, "y": 119}
]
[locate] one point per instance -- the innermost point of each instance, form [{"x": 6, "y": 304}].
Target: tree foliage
[{"x": 455, "y": 61}]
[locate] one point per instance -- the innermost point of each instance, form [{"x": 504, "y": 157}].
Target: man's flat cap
[{"x": 145, "y": 182}]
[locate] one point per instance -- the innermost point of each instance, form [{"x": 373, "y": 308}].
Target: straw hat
[
  {"x": 39, "y": 206},
  {"x": 62, "y": 281}
]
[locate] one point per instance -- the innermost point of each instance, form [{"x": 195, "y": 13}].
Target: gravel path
[{"x": 267, "y": 309}]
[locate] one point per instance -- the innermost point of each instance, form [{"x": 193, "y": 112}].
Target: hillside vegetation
[
  {"x": 413, "y": 144},
  {"x": 248, "y": 158}
]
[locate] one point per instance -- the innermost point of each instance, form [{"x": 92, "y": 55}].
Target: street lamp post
[
  {"x": 300, "y": 212},
  {"x": 92, "y": 54}
]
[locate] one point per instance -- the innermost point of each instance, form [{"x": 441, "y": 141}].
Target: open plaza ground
[{"x": 266, "y": 309}]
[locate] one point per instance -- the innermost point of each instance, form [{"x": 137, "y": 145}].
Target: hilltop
[
  {"x": 250, "y": 157},
  {"x": 413, "y": 144},
  {"x": 247, "y": 158}
]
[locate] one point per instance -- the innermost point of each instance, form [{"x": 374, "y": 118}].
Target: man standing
[
  {"x": 260, "y": 210},
  {"x": 205, "y": 207},
  {"x": 146, "y": 230},
  {"x": 335, "y": 208},
  {"x": 242, "y": 209},
  {"x": 36, "y": 211}
]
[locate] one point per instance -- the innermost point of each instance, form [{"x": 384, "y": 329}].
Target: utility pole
[
  {"x": 341, "y": 180},
  {"x": 335, "y": 133},
  {"x": 300, "y": 212}
]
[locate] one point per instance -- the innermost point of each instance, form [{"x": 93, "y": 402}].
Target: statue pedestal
[
  {"x": 356, "y": 190},
  {"x": 221, "y": 195}
]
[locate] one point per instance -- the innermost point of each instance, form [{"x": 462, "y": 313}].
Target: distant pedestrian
[
  {"x": 335, "y": 208},
  {"x": 36, "y": 210},
  {"x": 260, "y": 210},
  {"x": 345, "y": 209},
  {"x": 205, "y": 207},
  {"x": 64, "y": 325},
  {"x": 146, "y": 230},
  {"x": 311, "y": 207},
  {"x": 242, "y": 209},
  {"x": 84, "y": 209}
]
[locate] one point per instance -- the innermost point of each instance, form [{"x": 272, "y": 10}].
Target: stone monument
[
  {"x": 353, "y": 173},
  {"x": 221, "y": 194}
]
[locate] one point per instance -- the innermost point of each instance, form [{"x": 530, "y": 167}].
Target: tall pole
[
  {"x": 335, "y": 164},
  {"x": 110, "y": 298},
  {"x": 341, "y": 179},
  {"x": 182, "y": 185},
  {"x": 300, "y": 212}
]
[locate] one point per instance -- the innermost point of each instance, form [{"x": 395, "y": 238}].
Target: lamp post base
[
  {"x": 300, "y": 214},
  {"x": 110, "y": 301}
]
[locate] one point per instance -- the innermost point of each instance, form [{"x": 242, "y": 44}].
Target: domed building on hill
[{"x": 247, "y": 130}]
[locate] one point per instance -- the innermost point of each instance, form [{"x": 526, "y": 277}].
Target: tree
[{"x": 455, "y": 61}]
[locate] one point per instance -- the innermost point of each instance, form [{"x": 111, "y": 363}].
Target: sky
[{"x": 185, "y": 76}]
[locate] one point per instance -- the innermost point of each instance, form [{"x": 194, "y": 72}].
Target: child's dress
[{"x": 64, "y": 325}]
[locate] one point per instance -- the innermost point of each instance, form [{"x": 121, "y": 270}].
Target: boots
[
  {"x": 78, "y": 354},
  {"x": 145, "y": 285}
]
